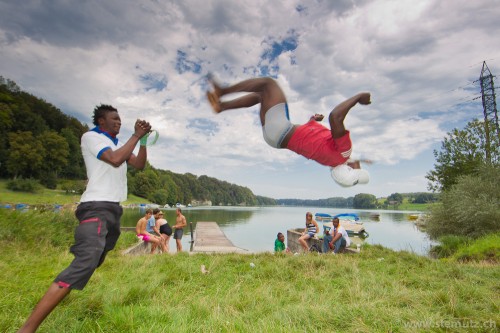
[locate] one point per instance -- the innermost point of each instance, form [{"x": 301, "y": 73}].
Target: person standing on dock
[
  {"x": 99, "y": 212},
  {"x": 180, "y": 224}
]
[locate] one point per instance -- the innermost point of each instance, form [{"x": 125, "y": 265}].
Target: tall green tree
[
  {"x": 75, "y": 168},
  {"x": 26, "y": 155},
  {"x": 364, "y": 201},
  {"x": 146, "y": 183},
  {"x": 394, "y": 199},
  {"x": 169, "y": 186},
  {"x": 56, "y": 157},
  {"x": 6, "y": 122},
  {"x": 462, "y": 153},
  {"x": 57, "y": 151}
]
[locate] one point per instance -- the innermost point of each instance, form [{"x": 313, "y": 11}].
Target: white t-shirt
[
  {"x": 105, "y": 182},
  {"x": 342, "y": 230}
]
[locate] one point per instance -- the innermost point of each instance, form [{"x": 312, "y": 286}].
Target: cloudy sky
[{"x": 149, "y": 58}]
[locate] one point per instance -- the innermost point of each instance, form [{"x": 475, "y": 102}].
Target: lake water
[{"x": 255, "y": 228}]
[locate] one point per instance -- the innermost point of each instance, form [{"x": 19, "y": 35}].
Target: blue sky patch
[
  {"x": 204, "y": 125},
  {"x": 183, "y": 64},
  {"x": 153, "y": 81}
]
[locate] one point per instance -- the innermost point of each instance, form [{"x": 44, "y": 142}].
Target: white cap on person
[{"x": 346, "y": 176}]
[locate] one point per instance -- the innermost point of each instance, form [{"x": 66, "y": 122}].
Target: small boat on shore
[{"x": 349, "y": 221}]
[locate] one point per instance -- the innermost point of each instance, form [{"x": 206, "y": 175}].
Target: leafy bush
[
  {"x": 24, "y": 185},
  {"x": 470, "y": 208},
  {"x": 73, "y": 186},
  {"x": 49, "y": 180}
]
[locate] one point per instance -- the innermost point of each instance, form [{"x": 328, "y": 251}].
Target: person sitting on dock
[
  {"x": 337, "y": 238},
  {"x": 279, "y": 244},
  {"x": 310, "y": 231},
  {"x": 145, "y": 236}
]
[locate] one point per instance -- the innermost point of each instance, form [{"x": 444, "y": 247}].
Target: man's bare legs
[
  {"x": 54, "y": 295},
  {"x": 339, "y": 113},
  {"x": 262, "y": 90}
]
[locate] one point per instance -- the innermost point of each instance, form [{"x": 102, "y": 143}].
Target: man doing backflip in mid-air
[{"x": 331, "y": 147}]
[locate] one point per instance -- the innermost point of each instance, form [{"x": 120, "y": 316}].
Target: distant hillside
[{"x": 367, "y": 201}]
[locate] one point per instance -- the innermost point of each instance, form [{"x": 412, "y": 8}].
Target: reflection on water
[{"x": 255, "y": 228}]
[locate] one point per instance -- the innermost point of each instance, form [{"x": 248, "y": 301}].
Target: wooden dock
[{"x": 209, "y": 238}]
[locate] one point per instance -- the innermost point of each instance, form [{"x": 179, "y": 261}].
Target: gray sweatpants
[{"x": 95, "y": 236}]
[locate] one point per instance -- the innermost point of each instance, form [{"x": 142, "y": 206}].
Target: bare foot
[
  {"x": 215, "y": 85},
  {"x": 213, "y": 99}
]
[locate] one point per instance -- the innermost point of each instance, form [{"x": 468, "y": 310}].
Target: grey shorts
[
  {"x": 95, "y": 236},
  {"x": 277, "y": 125},
  {"x": 178, "y": 233}
]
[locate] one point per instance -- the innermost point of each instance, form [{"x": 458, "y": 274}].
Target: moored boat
[{"x": 349, "y": 221}]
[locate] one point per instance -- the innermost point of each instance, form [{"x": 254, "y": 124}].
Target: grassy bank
[
  {"x": 377, "y": 290},
  {"x": 48, "y": 197}
]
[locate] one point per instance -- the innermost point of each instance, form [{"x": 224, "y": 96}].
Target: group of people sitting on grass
[
  {"x": 154, "y": 228},
  {"x": 335, "y": 239}
]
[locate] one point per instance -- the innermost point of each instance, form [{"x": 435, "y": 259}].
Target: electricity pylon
[{"x": 489, "y": 107}]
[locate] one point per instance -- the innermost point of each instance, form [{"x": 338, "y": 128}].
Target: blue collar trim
[{"x": 111, "y": 137}]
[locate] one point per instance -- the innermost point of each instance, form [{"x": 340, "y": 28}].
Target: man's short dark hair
[{"x": 100, "y": 111}]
